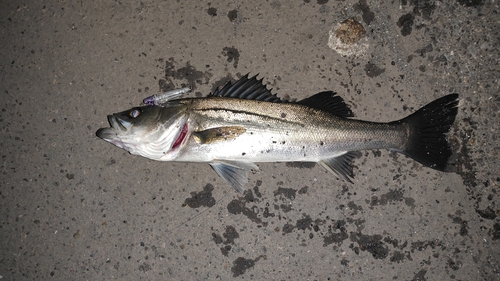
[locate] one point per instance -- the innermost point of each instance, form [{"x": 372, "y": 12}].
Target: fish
[{"x": 243, "y": 123}]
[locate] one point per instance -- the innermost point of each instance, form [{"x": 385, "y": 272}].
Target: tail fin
[{"x": 428, "y": 127}]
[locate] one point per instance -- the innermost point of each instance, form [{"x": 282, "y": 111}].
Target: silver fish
[{"x": 244, "y": 122}]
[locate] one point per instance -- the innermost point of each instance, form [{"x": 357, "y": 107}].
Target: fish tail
[{"x": 427, "y": 128}]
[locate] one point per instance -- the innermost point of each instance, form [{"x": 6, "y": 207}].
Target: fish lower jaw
[{"x": 121, "y": 145}]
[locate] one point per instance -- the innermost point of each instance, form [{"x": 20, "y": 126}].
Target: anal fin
[
  {"x": 341, "y": 165},
  {"x": 234, "y": 172}
]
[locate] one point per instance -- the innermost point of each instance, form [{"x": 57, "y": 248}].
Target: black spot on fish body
[{"x": 283, "y": 115}]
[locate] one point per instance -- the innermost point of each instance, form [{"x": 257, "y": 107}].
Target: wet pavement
[{"x": 74, "y": 207}]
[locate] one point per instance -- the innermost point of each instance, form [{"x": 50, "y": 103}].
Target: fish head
[{"x": 154, "y": 132}]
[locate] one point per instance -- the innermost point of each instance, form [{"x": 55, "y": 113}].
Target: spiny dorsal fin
[
  {"x": 328, "y": 101},
  {"x": 246, "y": 88}
]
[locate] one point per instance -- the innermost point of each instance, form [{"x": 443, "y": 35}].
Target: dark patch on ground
[
  {"x": 410, "y": 202},
  {"x": 238, "y": 206},
  {"x": 212, "y": 11},
  {"x": 144, "y": 267},
  {"x": 405, "y": 22},
  {"x": 230, "y": 234},
  {"x": 394, "y": 195},
  {"x": 454, "y": 264},
  {"x": 187, "y": 72},
  {"x": 232, "y": 54},
  {"x": 487, "y": 213},
  {"x": 203, "y": 198},
  {"x": 464, "y": 225},
  {"x": 371, "y": 243},
  {"x": 422, "y": 245},
  {"x": 240, "y": 265},
  {"x": 304, "y": 223},
  {"x": 288, "y": 228},
  {"x": 420, "y": 276},
  {"x": 303, "y": 190},
  {"x": 424, "y": 8},
  {"x": 286, "y": 192},
  {"x": 285, "y": 208},
  {"x": 354, "y": 207},
  {"x": 241, "y": 205},
  {"x": 372, "y": 70},
  {"x": 256, "y": 189},
  {"x": 422, "y": 51},
  {"x": 232, "y": 15},
  {"x": 397, "y": 256},
  {"x": 266, "y": 213},
  {"x": 359, "y": 223},
  {"x": 367, "y": 14},
  {"x": 495, "y": 231},
  {"x": 301, "y": 165},
  {"x": 111, "y": 162},
  {"x": 471, "y": 3},
  {"x": 336, "y": 237},
  {"x": 395, "y": 243}
]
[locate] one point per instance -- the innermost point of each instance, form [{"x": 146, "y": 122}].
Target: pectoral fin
[
  {"x": 234, "y": 172},
  {"x": 218, "y": 134},
  {"x": 341, "y": 165}
]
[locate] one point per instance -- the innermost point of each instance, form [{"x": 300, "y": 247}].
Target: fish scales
[{"x": 284, "y": 131}]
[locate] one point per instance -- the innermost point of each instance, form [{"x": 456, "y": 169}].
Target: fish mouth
[
  {"x": 111, "y": 134},
  {"x": 116, "y": 123}
]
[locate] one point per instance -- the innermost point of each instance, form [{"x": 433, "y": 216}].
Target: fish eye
[{"x": 134, "y": 113}]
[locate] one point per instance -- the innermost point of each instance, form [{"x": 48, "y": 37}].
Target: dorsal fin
[
  {"x": 330, "y": 102},
  {"x": 246, "y": 88}
]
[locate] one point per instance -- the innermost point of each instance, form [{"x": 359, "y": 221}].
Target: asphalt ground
[{"x": 73, "y": 207}]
